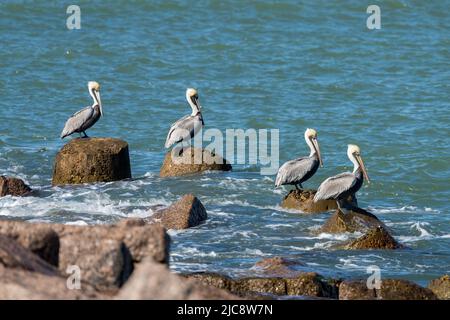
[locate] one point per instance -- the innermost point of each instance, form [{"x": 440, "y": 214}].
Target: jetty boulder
[
  {"x": 303, "y": 284},
  {"x": 376, "y": 238},
  {"x": 353, "y": 221},
  {"x": 192, "y": 160},
  {"x": 390, "y": 289},
  {"x": 303, "y": 200},
  {"x": 185, "y": 213},
  {"x": 441, "y": 287},
  {"x": 87, "y": 160},
  {"x": 40, "y": 239},
  {"x": 152, "y": 280},
  {"x": 10, "y": 186}
]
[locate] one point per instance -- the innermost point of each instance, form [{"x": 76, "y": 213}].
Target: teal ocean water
[{"x": 286, "y": 65}]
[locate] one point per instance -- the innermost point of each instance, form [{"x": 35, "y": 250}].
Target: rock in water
[
  {"x": 185, "y": 213},
  {"x": 356, "y": 220},
  {"x": 441, "y": 287},
  {"x": 92, "y": 160},
  {"x": 376, "y": 238},
  {"x": 192, "y": 160},
  {"x": 13, "y": 187},
  {"x": 303, "y": 200}
]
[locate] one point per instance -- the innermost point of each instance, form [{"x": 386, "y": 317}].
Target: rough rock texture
[
  {"x": 303, "y": 284},
  {"x": 376, "y": 238},
  {"x": 303, "y": 200},
  {"x": 441, "y": 287},
  {"x": 185, "y": 213},
  {"x": 277, "y": 266},
  {"x": 18, "y": 284},
  {"x": 13, "y": 187},
  {"x": 104, "y": 253},
  {"x": 13, "y": 255},
  {"x": 142, "y": 240},
  {"x": 104, "y": 263},
  {"x": 152, "y": 280},
  {"x": 353, "y": 221},
  {"x": 40, "y": 239},
  {"x": 191, "y": 162},
  {"x": 390, "y": 289},
  {"x": 92, "y": 160}
]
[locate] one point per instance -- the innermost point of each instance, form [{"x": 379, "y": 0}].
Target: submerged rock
[
  {"x": 441, "y": 287},
  {"x": 192, "y": 160},
  {"x": 13, "y": 187},
  {"x": 376, "y": 238},
  {"x": 303, "y": 200},
  {"x": 390, "y": 289},
  {"x": 356, "y": 220},
  {"x": 185, "y": 213},
  {"x": 40, "y": 239},
  {"x": 278, "y": 266},
  {"x": 152, "y": 280},
  {"x": 92, "y": 160},
  {"x": 303, "y": 284}
]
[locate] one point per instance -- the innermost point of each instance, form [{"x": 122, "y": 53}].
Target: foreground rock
[
  {"x": 152, "y": 280},
  {"x": 105, "y": 254},
  {"x": 303, "y": 284},
  {"x": 23, "y": 275},
  {"x": 441, "y": 287},
  {"x": 17, "y": 284},
  {"x": 390, "y": 289},
  {"x": 104, "y": 263},
  {"x": 376, "y": 238},
  {"x": 303, "y": 200},
  {"x": 92, "y": 160},
  {"x": 359, "y": 220},
  {"x": 40, "y": 239},
  {"x": 192, "y": 160},
  {"x": 185, "y": 213},
  {"x": 13, "y": 187},
  {"x": 13, "y": 255}
]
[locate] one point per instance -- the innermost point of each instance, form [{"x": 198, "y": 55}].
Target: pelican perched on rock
[
  {"x": 188, "y": 126},
  {"x": 299, "y": 170},
  {"x": 346, "y": 184},
  {"x": 85, "y": 118}
]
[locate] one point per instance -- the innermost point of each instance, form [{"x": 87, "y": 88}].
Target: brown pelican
[
  {"x": 299, "y": 170},
  {"x": 346, "y": 184},
  {"x": 188, "y": 126},
  {"x": 87, "y": 117}
]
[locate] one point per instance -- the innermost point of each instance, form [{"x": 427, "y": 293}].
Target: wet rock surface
[
  {"x": 154, "y": 281},
  {"x": 441, "y": 287},
  {"x": 13, "y": 187},
  {"x": 191, "y": 161},
  {"x": 90, "y": 160},
  {"x": 303, "y": 200},
  {"x": 303, "y": 284},
  {"x": 376, "y": 238},
  {"x": 358, "y": 220},
  {"x": 277, "y": 266},
  {"x": 185, "y": 213},
  {"x": 390, "y": 289}
]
